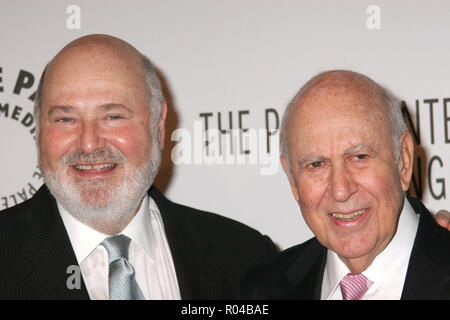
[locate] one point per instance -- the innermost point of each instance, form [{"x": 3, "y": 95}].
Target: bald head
[
  {"x": 347, "y": 82},
  {"x": 107, "y": 56},
  {"x": 97, "y": 44},
  {"x": 344, "y": 86},
  {"x": 101, "y": 41}
]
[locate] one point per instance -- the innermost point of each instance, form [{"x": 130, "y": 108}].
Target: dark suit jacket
[
  {"x": 210, "y": 252},
  {"x": 297, "y": 273}
]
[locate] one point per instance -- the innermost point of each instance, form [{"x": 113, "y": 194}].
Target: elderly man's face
[
  {"x": 94, "y": 124},
  {"x": 347, "y": 182}
]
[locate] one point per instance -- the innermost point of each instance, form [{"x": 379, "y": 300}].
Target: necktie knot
[
  {"x": 354, "y": 286},
  {"x": 117, "y": 247}
]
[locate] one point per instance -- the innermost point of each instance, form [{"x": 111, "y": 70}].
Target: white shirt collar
[
  {"x": 389, "y": 268},
  {"x": 85, "y": 239}
]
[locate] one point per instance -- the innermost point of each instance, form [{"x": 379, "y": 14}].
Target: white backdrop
[{"x": 237, "y": 62}]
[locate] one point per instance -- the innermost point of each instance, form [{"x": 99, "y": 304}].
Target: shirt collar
[
  {"x": 140, "y": 228},
  {"x": 388, "y": 270},
  {"x": 335, "y": 270},
  {"x": 85, "y": 239}
]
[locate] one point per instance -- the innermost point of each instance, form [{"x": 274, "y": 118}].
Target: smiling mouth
[
  {"x": 95, "y": 167},
  {"x": 348, "y": 216}
]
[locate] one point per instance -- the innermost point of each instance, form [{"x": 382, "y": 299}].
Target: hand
[{"x": 443, "y": 219}]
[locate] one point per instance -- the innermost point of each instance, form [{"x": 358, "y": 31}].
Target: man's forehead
[
  {"x": 331, "y": 108},
  {"x": 325, "y": 99},
  {"x": 95, "y": 108},
  {"x": 343, "y": 148},
  {"x": 328, "y": 120}
]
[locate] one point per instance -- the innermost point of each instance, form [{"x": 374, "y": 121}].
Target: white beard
[{"x": 105, "y": 207}]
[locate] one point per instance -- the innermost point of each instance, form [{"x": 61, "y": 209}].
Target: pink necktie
[{"x": 354, "y": 286}]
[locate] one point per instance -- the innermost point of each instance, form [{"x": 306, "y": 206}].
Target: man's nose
[
  {"x": 91, "y": 138},
  {"x": 342, "y": 184}
]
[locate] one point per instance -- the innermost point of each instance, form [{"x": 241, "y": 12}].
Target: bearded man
[{"x": 101, "y": 125}]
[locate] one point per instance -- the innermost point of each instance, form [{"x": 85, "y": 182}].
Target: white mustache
[{"x": 108, "y": 155}]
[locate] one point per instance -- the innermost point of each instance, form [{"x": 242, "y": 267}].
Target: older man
[
  {"x": 349, "y": 159},
  {"x": 97, "y": 229}
]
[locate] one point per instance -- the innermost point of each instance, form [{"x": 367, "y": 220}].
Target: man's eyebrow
[
  {"x": 358, "y": 148},
  {"x": 113, "y": 106},
  {"x": 362, "y": 147},
  {"x": 64, "y": 109},
  {"x": 310, "y": 158}
]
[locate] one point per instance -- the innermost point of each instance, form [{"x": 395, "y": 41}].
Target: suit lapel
[
  {"x": 47, "y": 247},
  {"x": 306, "y": 273},
  {"x": 428, "y": 275},
  {"x": 196, "y": 277}
]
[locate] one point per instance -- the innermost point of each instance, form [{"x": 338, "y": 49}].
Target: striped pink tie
[{"x": 354, "y": 286}]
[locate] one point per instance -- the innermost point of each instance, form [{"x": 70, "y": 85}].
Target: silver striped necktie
[{"x": 122, "y": 282}]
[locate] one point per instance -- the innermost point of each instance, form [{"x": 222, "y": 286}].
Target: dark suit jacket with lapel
[
  {"x": 297, "y": 273},
  {"x": 210, "y": 252}
]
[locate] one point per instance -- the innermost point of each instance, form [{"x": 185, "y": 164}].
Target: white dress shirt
[
  {"x": 149, "y": 253},
  {"x": 387, "y": 271}
]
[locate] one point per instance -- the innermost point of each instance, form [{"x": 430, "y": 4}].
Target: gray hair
[
  {"x": 389, "y": 100},
  {"x": 153, "y": 85},
  {"x": 155, "y": 90}
]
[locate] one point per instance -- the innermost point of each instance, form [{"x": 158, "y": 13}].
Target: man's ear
[
  {"x": 162, "y": 124},
  {"x": 294, "y": 189},
  {"x": 405, "y": 163}
]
